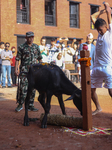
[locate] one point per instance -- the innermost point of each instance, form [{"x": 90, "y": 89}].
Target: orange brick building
[{"x": 50, "y": 18}]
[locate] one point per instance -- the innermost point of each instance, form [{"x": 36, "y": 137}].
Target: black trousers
[{"x": 13, "y": 75}]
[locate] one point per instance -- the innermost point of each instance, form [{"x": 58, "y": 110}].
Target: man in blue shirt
[{"x": 91, "y": 48}]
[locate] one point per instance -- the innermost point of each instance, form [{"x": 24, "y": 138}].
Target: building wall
[{"x": 9, "y": 27}]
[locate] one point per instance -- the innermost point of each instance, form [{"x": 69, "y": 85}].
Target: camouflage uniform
[{"x": 27, "y": 55}]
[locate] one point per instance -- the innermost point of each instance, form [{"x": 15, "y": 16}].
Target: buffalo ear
[{"x": 70, "y": 98}]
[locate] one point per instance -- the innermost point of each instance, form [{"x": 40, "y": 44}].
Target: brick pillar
[{"x": 86, "y": 92}]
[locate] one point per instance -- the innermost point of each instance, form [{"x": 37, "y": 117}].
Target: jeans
[{"x": 4, "y": 69}]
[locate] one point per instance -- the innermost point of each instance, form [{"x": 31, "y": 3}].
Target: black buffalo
[{"x": 50, "y": 80}]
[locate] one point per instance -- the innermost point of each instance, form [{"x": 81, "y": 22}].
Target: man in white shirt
[{"x": 102, "y": 70}]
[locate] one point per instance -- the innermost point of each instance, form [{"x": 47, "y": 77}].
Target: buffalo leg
[
  {"x": 60, "y": 99},
  {"x": 47, "y": 108},
  {"x": 26, "y": 120},
  {"x": 41, "y": 99}
]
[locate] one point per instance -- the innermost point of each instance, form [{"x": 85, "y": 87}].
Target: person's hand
[
  {"x": 106, "y": 5},
  {"x": 16, "y": 72},
  {"x": 47, "y": 48},
  {"x": 7, "y": 58},
  {"x": 74, "y": 40}
]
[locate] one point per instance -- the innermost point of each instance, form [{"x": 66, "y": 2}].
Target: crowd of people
[
  {"x": 57, "y": 52},
  {"x": 61, "y": 54}
]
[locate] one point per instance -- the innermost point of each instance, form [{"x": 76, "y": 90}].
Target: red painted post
[{"x": 86, "y": 92}]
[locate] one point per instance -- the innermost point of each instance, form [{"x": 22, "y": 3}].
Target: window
[
  {"x": 74, "y": 14},
  {"x": 93, "y": 10},
  {"x": 50, "y": 12},
  {"x": 23, "y": 11},
  {"x": 20, "y": 39},
  {"x": 48, "y": 39}
]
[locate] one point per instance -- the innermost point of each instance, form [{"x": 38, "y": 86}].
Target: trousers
[
  {"x": 6, "y": 69},
  {"x": 22, "y": 91}
]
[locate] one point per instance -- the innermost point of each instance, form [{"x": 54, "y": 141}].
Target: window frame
[
  {"x": 48, "y": 39},
  {"x": 77, "y": 14},
  {"x": 20, "y": 14},
  {"x": 53, "y": 23}
]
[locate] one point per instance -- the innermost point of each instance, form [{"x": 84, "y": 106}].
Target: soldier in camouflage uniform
[{"x": 28, "y": 53}]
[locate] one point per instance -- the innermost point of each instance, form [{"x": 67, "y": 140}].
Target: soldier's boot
[
  {"x": 19, "y": 108},
  {"x": 32, "y": 108}
]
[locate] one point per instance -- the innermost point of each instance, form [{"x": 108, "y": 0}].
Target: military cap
[{"x": 29, "y": 34}]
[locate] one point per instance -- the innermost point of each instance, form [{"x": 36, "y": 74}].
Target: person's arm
[
  {"x": 17, "y": 59},
  {"x": 96, "y": 15},
  {"x": 16, "y": 67},
  {"x": 108, "y": 11},
  {"x": 47, "y": 52},
  {"x": 10, "y": 55},
  {"x": 3, "y": 55},
  {"x": 41, "y": 51}
]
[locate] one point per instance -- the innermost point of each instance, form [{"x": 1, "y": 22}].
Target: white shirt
[
  {"x": 44, "y": 53},
  {"x": 89, "y": 47},
  {"x": 4, "y": 54},
  {"x": 69, "y": 57},
  {"x": 103, "y": 55}
]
